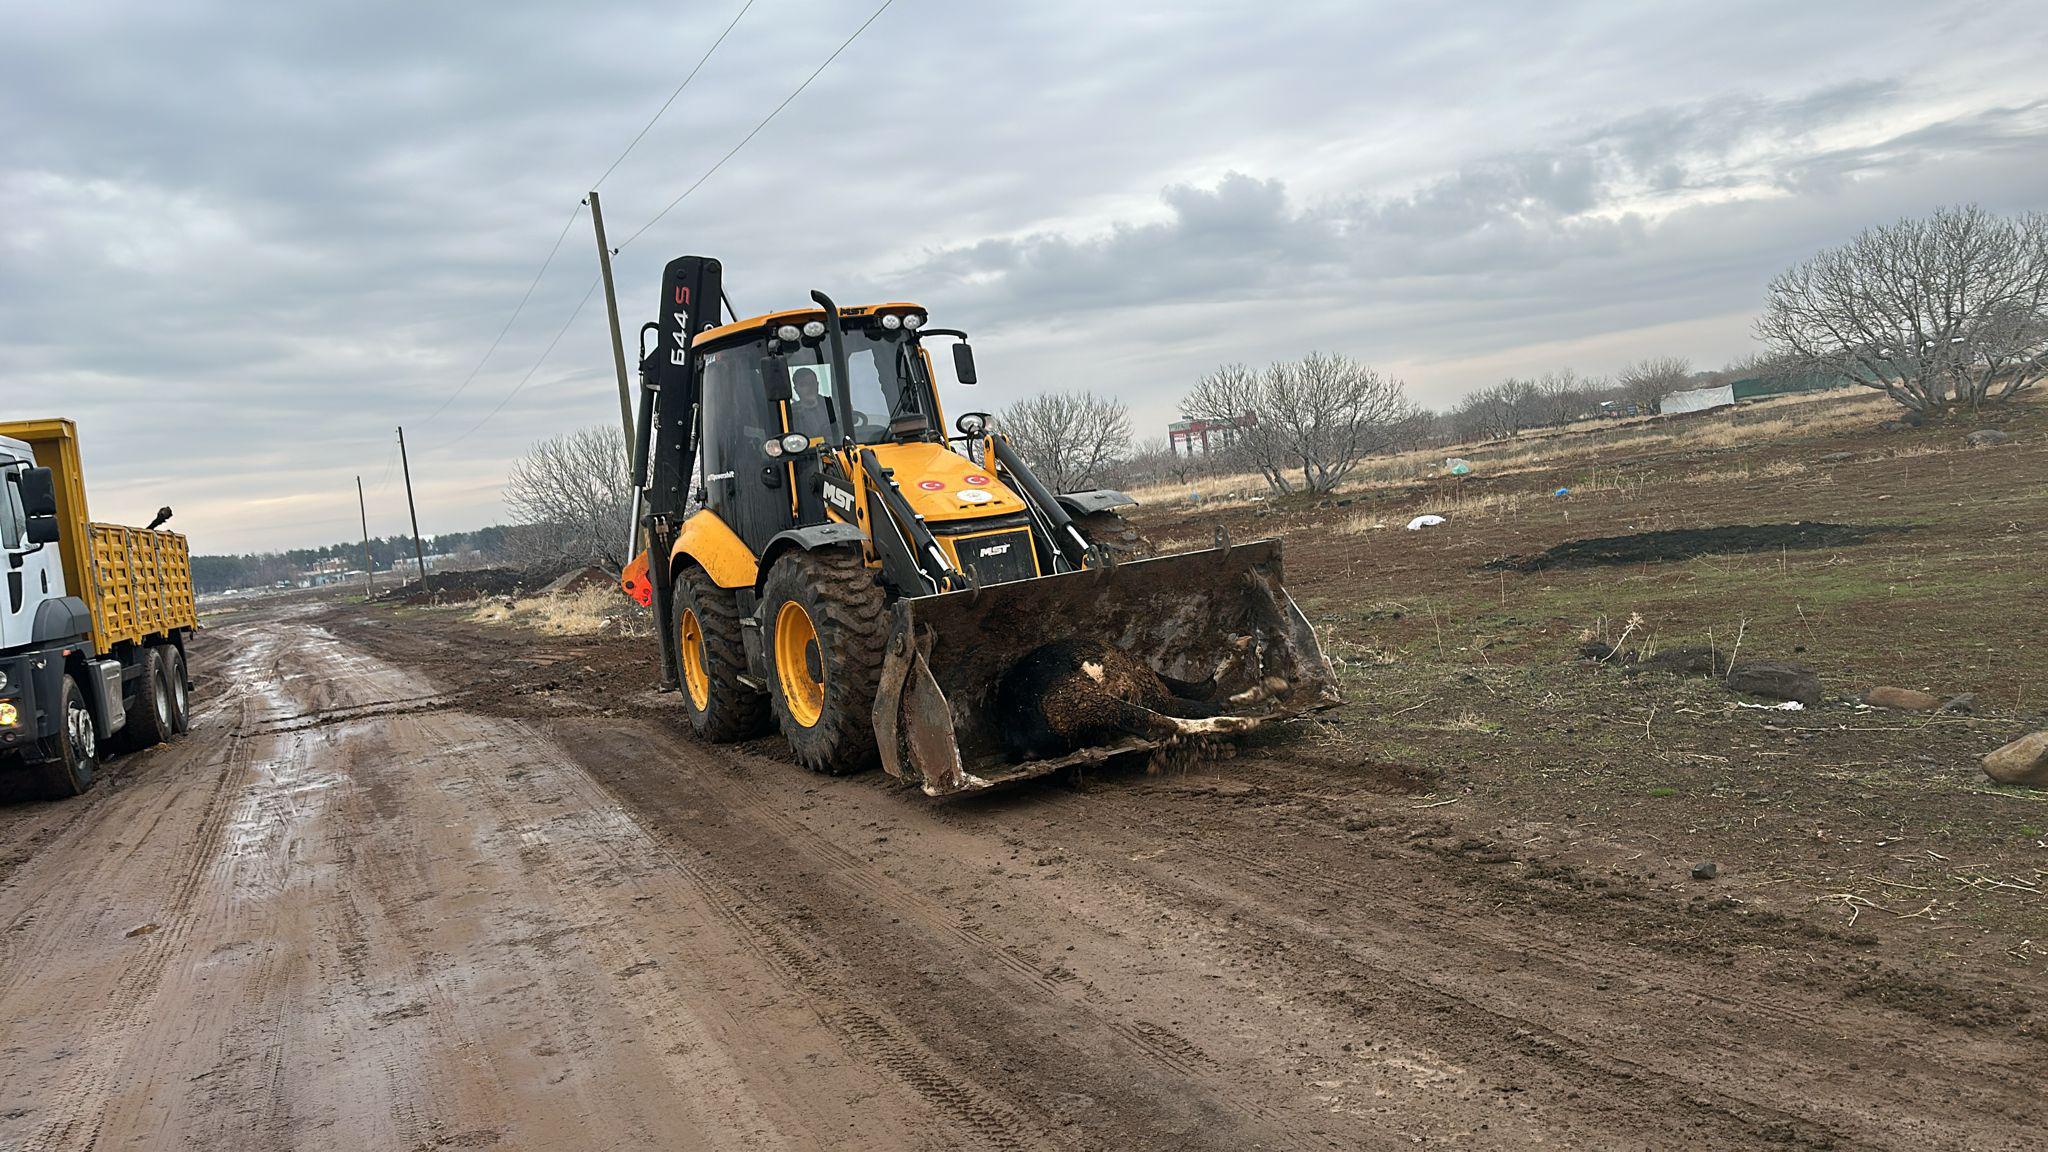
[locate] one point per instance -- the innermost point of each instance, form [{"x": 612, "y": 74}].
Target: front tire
[
  {"x": 71, "y": 757},
  {"x": 826, "y": 627},
  {"x": 721, "y": 707}
]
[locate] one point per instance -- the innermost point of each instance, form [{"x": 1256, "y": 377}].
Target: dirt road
[{"x": 368, "y": 906}]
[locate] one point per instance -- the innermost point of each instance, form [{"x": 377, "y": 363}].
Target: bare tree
[
  {"x": 1939, "y": 313},
  {"x": 1319, "y": 415},
  {"x": 1562, "y": 396},
  {"x": 1645, "y": 383},
  {"x": 574, "y": 497},
  {"x": 1070, "y": 438}
]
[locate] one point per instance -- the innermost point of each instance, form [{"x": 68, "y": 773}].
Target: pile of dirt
[
  {"x": 1686, "y": 543},
  {"x": 453, "y": 587}
]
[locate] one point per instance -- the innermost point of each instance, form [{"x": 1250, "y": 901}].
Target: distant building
[{"x": 1209, "y": 434}]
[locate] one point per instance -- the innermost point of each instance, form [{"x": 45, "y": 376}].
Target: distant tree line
[{"x": 262, "y": 569}]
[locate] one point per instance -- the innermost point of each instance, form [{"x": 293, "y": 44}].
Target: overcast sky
[{"x": 240, "y": 242}]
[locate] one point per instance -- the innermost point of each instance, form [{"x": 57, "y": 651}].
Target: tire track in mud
[
  {"x": 1173, "y": 1057},
  {"x": 819, "y": 977},
  {"x": 1657, "y": 1091},
  {"x": 120, "y": 1019}
]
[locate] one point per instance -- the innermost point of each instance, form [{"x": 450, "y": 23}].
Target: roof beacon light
[
  {"x": 813, "y": 329},
  {"x": 787, "y": 333}
]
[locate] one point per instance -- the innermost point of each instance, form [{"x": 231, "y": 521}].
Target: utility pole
[
  {"x": 611, "y": 315},
  {"x": 369, "y": 578},
  {"x": 419, "y": 553}
]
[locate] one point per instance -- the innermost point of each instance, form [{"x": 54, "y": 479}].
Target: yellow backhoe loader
[{"x": 821, "y": 554}]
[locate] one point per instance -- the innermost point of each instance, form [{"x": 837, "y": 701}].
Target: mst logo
[
  {"x": 838, "y": 497},
  {"x": 993, "y": 550}
]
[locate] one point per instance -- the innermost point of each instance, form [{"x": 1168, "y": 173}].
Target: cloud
[{"x": 240, "y": 244}]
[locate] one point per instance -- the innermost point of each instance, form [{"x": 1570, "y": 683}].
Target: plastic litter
[
  {"x": 1787, "y": 706},
  {"x": 1457, "y": 467},
  {"x": 1562, "y": 492},
  {"x": 1421, "y": 522}
]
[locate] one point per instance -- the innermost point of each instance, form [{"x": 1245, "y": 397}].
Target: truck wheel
[
  {"x": 71, "y": 757},
  {"x": 1115, "y": 535},
  {"x": 149, "y": 709},
  {"x": 722, "y": 708},
  {"x": 174, "y": 687},
  {"x": 826, "y": 627}
]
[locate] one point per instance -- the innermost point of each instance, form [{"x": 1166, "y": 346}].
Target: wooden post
[
  {"x": 369, "y": 575},
  {"x": 419, "y": 552},
  {"x": 611, "y": 315}
]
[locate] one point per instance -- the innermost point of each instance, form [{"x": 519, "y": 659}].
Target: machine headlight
[
  {"x": 772, "y": 447},
  {"x": 972, "y": 424},
  {"x": 787, "y": 333},
  {"x": 913, "y": 321},
  {"x": 892, "y": 321},
  {"x": 794, "y": 442},
  {"x": 813, "y": 329}
]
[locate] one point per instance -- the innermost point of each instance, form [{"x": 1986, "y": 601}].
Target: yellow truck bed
[{"x": 137, "y": 583}]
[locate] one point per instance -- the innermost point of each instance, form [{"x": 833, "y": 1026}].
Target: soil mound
[
  {"x": 1686, "y": 543},
  {"x": 468, "y": 584}
]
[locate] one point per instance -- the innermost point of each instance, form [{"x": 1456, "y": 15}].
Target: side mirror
[
  {"x": 38, "y": 492},
  {"x": 963, "y": 363},
  {"x": 41, "y": 530},
  {"x": 775, "y": 376}
]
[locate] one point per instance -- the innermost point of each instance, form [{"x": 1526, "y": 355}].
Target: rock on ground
[
  {"x": 1775, "y": 680},
  {"x": 1904, "y": 699},
  {"x": 2024, "y": 761},
  {"x": 1985, "y": 437}
]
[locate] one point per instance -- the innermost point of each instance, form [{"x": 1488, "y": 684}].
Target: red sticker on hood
[
  {"x": 932, "y": 485},
  {"x": 977, "y": 479}
]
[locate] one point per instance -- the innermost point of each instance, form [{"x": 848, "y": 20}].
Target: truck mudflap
[{"x": 1219, "y": 616}]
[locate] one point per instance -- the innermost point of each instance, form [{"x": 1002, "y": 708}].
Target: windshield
[{"x": 881, "y": 385}]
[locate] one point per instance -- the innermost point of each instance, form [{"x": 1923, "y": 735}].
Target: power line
[
  {"x": 521, "y": 307},
  {"x": 786, "y": 101},
  {"x": 672, "y": 96},
  {"x": 763, "y": 124},
  {"x": 517, "y": 388}
]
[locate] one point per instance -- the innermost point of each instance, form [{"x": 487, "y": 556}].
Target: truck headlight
[
  {"x": 9, "y": 714},
  {"x": 3, "y": 679}
]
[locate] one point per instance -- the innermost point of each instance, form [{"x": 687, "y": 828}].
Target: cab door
[
  {"x": 23, "y": 567},
  {"x": 746, "y": 487}
]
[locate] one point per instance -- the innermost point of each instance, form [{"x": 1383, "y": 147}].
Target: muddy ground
[{"x": 417, "y": 881}]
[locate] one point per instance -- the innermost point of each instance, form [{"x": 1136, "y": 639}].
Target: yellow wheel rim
[
  {"x": 690, "y": 639},
  {"x": 796, "y": 653}
]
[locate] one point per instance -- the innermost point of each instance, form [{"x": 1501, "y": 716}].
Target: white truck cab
[{"x": 33, "y": 572}]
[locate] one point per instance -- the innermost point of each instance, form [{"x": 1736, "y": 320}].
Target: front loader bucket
[{"x": 1218, "y": 613}]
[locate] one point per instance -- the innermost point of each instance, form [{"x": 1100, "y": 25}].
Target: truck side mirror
[
  {"x": 38, "y": 492},
  {"x": 963, "y": 363},
  {"x": 775, "y": 376},
  {"x": 41, "y": 530}
]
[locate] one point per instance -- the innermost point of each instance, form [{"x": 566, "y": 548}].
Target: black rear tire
[
  {"x": 721, "y": 707},
  {"x": 70, "y": 761},
  {"x": 833, "y": 731},
  {"x": 1111, "y": 533},
  {"x": 149, "y": 709},
  {"x": 174, "y": 686}
]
